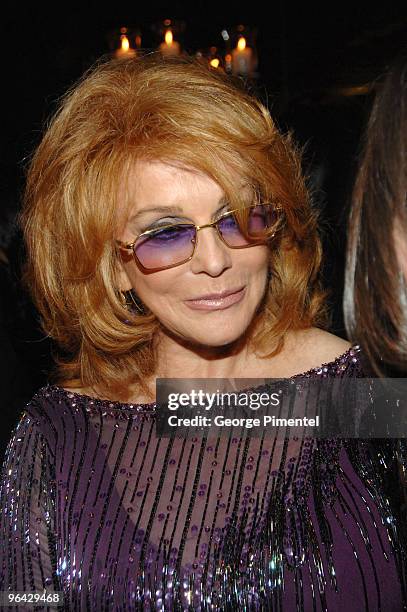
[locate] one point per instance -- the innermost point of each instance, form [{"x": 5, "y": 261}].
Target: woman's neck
[{"x": 175, "y": 357}]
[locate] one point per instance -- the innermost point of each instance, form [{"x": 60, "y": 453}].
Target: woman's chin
[
  {"x": 217, "y": 340},
  {"x": 206, "y": 338}
]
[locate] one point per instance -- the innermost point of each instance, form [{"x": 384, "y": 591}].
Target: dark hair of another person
[{"x": 375, "y": 301}]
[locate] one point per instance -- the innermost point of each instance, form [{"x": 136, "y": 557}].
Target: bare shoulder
[
  {"x": 317, "y": 345},
  {"x": 322, "y": 343},
  {"x": 307, "y": 349},
  {"x": 88, "y": 392},
  {"x": 134, "y": 398},
  {"x": 82, "y": 391}
]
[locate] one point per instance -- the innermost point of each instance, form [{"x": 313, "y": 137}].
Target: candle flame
[
  {"x": 125, "y": 43},
  {"x": 241, "y": 43},
  {"x": 169, "y": 37},
  {"x": 214, "y": 62}
]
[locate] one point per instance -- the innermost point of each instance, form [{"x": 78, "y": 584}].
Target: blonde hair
[{"x": 173, "y": 110}]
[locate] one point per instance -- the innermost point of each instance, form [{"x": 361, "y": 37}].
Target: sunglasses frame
[{"x": 129, "y": 246}]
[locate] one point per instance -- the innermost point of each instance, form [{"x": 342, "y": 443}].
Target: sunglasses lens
[
  {"x": 166, "y": 247},
  {"x": 231, "y": 232},
  {"x": 258, "y": 219},
  {"x": 261, "y": 218}
]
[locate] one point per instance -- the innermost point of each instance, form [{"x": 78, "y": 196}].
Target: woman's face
[{"x": 176, "y": 295}]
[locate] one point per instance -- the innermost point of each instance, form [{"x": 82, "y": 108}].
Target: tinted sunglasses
[{"x": 171, "y": 245}]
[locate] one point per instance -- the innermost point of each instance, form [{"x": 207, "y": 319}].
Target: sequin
[{"x": 95, "y": 505}]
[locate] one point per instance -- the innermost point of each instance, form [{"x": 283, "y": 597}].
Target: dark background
[{"x": 311, "y": 59}]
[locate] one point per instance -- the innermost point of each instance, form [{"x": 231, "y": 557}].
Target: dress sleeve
[{"x": 27, "y": 511}]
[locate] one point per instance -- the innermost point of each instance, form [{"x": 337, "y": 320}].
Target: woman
[
  {"x": 376, "y": 273},
  {"x": 170, "y": 234},
  {"x": 375, "y": 300}
]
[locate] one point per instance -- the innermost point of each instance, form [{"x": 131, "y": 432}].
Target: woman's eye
[
  {"x": 161, "y": 223},
  {"x": 229, "y": 221},
  {"x": 169, "y": 234}
]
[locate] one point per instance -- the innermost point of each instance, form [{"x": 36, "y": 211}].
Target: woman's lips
[{"x": 217, "y": 303}]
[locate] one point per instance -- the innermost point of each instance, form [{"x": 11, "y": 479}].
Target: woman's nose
[{"x": 211, "y": 254}]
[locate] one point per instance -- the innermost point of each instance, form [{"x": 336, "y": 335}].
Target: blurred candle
[
  {"x": 169, "y": 46},
  {"x": 124, "y": 50},
  {"x": 242, "y": 58}
]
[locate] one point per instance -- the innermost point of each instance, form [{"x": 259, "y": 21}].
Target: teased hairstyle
[
  {"x": 175, "y": 110},
  {"x": 375, "y": 298}
]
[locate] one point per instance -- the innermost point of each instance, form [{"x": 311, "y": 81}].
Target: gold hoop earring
[{"x": 132, "y": 301}]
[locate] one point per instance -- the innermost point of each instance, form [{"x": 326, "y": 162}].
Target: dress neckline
[{"x": 318, "y": 370}]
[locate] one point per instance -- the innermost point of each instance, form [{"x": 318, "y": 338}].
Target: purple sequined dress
[{"x": 93, "y": 504}]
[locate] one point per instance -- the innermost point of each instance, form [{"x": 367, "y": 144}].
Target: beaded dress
[{"x": 95, "y": 505}]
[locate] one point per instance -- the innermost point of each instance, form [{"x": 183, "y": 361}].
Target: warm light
[
  {"x": 228, "y": 58},
  {"x": 138, "y": 41},
  {"x": 241, "y": 43},
  {"x": 124, "y": 50},
  {"x": 125, "y": 44},
  {"x": 242, "y": 59},
  {"x": 170, "y": 47},
  {"x": 168, "y": 37},
  {"x": 214, "y": 62}
]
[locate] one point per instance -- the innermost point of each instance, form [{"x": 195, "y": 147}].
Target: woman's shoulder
[
  {"x": 334, "y": 356},
  {"x": 55, "y": 400},
  {"x": 53, "y": 408},
  {"x": 318, "y": 345},
  {"x": 40, "y": 408},
  {"x": 68, "y": 403},
  {"x": 36, "y": 420},
  {"x": 310, "y": 350}
]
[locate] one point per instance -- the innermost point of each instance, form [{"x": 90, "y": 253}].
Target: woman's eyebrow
[
  {"x": 156, "y": 209},
  {"x": 170, "y": 209}
]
